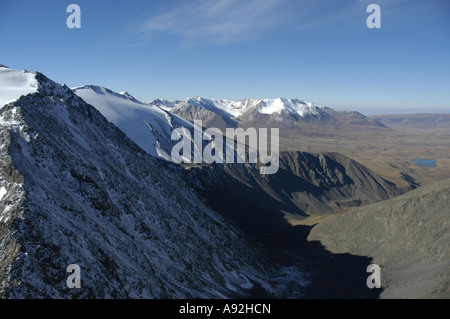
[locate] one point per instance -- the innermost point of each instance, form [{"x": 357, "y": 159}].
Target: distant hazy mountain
[{"x": 421, "y": 121}]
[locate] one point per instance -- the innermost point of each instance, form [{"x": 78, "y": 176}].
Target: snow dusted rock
[{"x": 76, "y": 190}]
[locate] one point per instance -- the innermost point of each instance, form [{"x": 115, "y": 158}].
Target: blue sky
[{"x": 316, "y": 50}]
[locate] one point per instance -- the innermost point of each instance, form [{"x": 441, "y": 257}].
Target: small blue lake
[{"x": 425, "y": 162}]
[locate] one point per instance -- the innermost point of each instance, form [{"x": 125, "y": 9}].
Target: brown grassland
[{"x": 389, "y": 153}]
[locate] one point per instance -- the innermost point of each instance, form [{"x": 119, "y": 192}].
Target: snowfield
[
  {"x": 14, "y": 84},
  {"x": 149, "y": 126}
]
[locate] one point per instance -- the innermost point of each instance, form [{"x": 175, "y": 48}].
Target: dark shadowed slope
[{"x": 305, "y": 184}]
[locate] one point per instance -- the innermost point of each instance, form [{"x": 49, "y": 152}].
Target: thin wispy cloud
[
  {"x": 222, "y": 22},
  {"x": 219, "y": 22}
]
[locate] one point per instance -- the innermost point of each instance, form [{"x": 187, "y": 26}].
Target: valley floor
[
  {"x": 390, "y": 153},
  {"x": 407, "y": 236}
]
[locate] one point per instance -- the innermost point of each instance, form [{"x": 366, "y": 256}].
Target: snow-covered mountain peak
[
  {"x": 15, "y": 83},
  {"x": 164, "y": 104},
  {"x": 214, "y": 105},
  {"x": 129, "y": 96},
  {"x": 279, "y": 105}
]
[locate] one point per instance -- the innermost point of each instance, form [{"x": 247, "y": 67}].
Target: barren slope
[{"x": 408, "y": 236}]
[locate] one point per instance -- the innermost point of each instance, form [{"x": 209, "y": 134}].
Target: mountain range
[
  {"x": 77, "y": 190},
  {"x": 279, "y": 112},
  {"x": 414, "y": 121},
  {"x": 86, "y": 178}
]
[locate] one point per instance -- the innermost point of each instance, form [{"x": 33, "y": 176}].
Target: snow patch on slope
[
  {"x": 2, "y": 192},
  {"x": 139, "y": 121}
]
